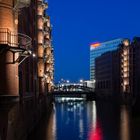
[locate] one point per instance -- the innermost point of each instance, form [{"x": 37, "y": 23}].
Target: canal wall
[{"x": 17, "y": 120}]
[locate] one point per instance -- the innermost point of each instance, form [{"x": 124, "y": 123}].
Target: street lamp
[
  {"x": 67, "y": 81},
  {"x": 34, "y": 55}
]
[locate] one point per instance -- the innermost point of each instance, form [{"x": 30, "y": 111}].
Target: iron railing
[
  {"x": 19, "y": 40},
  {"x": 21, "y": 4},
  {"x": 43, "y": 2}
]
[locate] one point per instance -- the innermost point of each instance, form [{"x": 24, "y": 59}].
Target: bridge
[
  {"x": 86, "y": 95},
  {"x": 72, "y": 87},
  {"x": 73, "y": 90}
]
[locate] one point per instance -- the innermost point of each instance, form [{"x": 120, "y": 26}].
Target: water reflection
[
  {"x": 76, "y": 120},
  {"x": 51, "y": 127},
  {"x": 83, "y": 120},
  {"x": 95, "y": 131},
  {"x": 91, "y": 121},
  {"x": 73, "y": 120},
  {"x": 3, "y": 125},
  {"x": 125, "y": 123}
]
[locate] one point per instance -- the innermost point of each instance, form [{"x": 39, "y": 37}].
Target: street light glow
[
  {"x": 34, "y": 55},
  {"x": 68, "y": 81}
]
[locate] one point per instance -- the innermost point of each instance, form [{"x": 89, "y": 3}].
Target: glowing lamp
[{"x": 126, "y": 42}]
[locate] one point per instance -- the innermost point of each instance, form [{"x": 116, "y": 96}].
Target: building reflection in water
[
  {"x": 71, "y": 120},
  {"x": 125, "y": 123},
  {"x": 8, "y": 122},
  {"x": 3, "y": 125},
  {"x": 51, "y": 127},
  {"x": 87, "y": 121}
]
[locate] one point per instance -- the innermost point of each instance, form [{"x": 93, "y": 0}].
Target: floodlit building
[
  {"x": 125, "y": 66},
  {"x": 97, "y": 49},
  {"x": 45, "y": 49},
  {"x": 26, "y": 52},
  {"x": 25, "y": 79},
  {"x": 15, "y": 47},
  {"x": 36, "y": 73},
  {"x": 130, "y": 67},
  {"x": 118, "y": 72},
  {"x": 112, "y": 71}
]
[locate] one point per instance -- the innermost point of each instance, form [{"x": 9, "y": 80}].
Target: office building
[
  {"x": 97, "y": 49},
  {"x": 107, "y": 74}
]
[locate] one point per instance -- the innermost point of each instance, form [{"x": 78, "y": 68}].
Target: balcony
[
  {"x": 46, "y": 43},
  {"x": 48, "y": 61},
  {"x": 46, "y": 18},
  {"x": 46, "y": 36},
  {"x": 40, "y": 37},
  {"x": 15, "y": 42},
  {"x": 47, "y": 29},
  {"x": 47, "y": 23},
  {"x": 21, "y": 4},
  {"x": 40, "y": 24},
  {"x": 43, "y": 4},
  {"x": 48, "y": 70},
  {"x": 40, "y": 11},
  {"x": 45, "y": 58}
]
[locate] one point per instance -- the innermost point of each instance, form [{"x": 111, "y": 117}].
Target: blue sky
[{"x": 77, "y": 23}]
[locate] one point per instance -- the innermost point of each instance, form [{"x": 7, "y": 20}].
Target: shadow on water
[
  {"x": 45, "y": 129},
  {"x": 114, "y": 120},
  {"x": 3, "y": 125},
  {"x": 18, "y": 120}
]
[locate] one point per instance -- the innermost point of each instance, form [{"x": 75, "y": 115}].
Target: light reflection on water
[
  {"x": 77, "y": 121},
  {"x": 125, "y": 123},
  {"x": 83, "y": 120}
]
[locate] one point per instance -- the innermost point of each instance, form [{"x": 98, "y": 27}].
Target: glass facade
[{"x": 97, "y": 50}]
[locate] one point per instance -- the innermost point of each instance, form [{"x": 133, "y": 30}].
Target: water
[{"x": 83, "y": 120}]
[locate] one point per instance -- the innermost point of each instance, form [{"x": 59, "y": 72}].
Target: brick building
[
  {"x": 118, "y": 72},
  {"x": 26, "y": 48},
  {"x": 36, "y": 72}
]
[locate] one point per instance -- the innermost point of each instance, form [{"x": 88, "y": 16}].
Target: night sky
[{"x": 78, "y": 23}]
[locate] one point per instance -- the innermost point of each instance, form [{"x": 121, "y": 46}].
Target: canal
[{"x": 82, "y": 120}]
